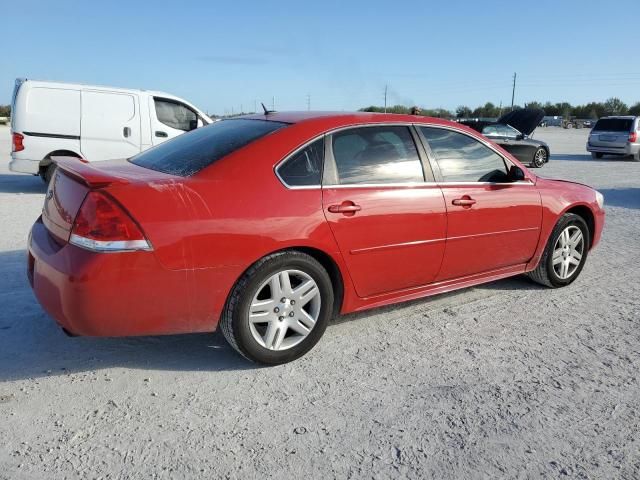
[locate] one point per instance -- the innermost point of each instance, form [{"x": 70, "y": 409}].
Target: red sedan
[{"x": 267, "y": 226}]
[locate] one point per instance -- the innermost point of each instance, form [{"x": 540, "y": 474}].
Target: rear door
[
  {"x": 389, "y": 222},
  {"x": 492, "y": 223},
  {"x": 110, "y": 125}
]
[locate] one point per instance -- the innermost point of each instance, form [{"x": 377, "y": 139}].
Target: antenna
[{"x": 266, "y": 111}]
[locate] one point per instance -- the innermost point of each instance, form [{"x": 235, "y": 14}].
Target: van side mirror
[{"x": 515, "y": 174}]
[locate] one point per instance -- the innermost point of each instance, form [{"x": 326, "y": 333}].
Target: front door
[
  {"x": 389, "y": 223},
  {"x": 492, "y": 223},
  {"x": 170, "y": 118}
]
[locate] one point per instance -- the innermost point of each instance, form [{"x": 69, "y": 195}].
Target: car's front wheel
[
  {"x": 279, "y": 309},
  {"x": 596, "y": 154},
  {"x": 539, "y": 157},
  {"x": 565, "y": 253}
]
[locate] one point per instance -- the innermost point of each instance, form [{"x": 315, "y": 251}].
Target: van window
[
  {"x": 187, "y": 154},
  {"x": 614, "y": 125},
  {"x": 175, "y": 115}
]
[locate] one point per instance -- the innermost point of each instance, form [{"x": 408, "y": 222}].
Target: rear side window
[
  {"x": 375, "y": 155},
  {"x": 189, "y": 153},
  {"x": 462, "y": 158},
  {"x": 614, "y": 125},
  {"x": 305, "y": 167},
  {"x": 175, "y": 115}
]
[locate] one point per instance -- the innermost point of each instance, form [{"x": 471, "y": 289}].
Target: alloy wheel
[
  {"x": 540, "y": 157},
  {"x": 284, "y": 310},
  {"x": 567, "y": 252}
]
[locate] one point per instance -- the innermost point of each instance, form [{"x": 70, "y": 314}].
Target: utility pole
[
  {"x": 308, "y": 101},
  {"x": 513, "y": 92},
  {"x": 255, "y": 106},
  {"x": 500, "y": 114},
  {"x": 385, "y": 99},
  {"x": 273, "y": 103},
  {"x": 241, "y": 109}
]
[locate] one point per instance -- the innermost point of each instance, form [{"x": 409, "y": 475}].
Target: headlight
[{"x": 599, "y": 199}]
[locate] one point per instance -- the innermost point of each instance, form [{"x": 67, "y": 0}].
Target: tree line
[
  {"x": 594, "y": 110},
  {"x": 612, "y": 106}
]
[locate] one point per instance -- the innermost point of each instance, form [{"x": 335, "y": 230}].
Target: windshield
[
  {"x": 614, "y": 125},
  {"x": 191, "y": 152}
]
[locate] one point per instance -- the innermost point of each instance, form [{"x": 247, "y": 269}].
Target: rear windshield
[
  {"x": 614, "y": 124},
  {"x": 191, "y": 152}
]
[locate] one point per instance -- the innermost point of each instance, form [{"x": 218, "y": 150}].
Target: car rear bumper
[
  {"x": 21, "y": 165},
  {"x": 628, "y": 149},
  {"x": 120, "y": 294}
]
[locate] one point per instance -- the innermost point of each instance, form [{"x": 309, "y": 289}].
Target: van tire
[{"x": 46, "y": 173}]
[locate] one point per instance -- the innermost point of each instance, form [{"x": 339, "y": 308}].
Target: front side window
[
  {"x": 385, "y": 154},
  {"x": 189, "y": 153},
  {"x": 504, "y": 131},
  {"x": 462, "y": 158},
  {"x": 305, "y": 167},
  {"x": 175, "y": 115}
]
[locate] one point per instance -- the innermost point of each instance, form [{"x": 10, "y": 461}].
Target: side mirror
[
  {"x": 193, "y": 124},
  {"x": 520, "y": 136},
  {"x": 515, "y": 174}
]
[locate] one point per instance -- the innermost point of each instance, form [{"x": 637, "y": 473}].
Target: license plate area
[{"x": 607, "y": 138}]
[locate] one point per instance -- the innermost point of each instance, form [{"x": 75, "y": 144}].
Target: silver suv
[{"x": 615, "y": 136}]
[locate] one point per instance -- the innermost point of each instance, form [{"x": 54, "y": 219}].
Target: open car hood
[{"x": 525, "y": 120}]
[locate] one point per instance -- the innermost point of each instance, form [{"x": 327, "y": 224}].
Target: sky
[{"x": 329, "y": 55}]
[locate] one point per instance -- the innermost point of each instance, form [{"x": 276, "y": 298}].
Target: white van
[{"x": 91, "y": 122}]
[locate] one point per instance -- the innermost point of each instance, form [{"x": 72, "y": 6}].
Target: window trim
[
  {"x": 294, "y": 153},
  {"x": 175, "y": 102},
  {"x": 436, "y": 168}
]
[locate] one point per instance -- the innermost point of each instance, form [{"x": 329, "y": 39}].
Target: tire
[
  {"x": 596, "y": 155},
  {"x": 540, "y": 157},
  {"x": 46, "y": 174},
  {"x": 546, "y": 273},
  {"x": 271, "y": 314},
  {"x": 636, "y": 157}
]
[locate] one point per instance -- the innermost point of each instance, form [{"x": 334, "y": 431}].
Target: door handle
[
  {"x": 346, "y": 208},
  {"x": 465, "y": 201},
  {"x": 160, "y": 133},
  {"x": 126, "y": 131}
]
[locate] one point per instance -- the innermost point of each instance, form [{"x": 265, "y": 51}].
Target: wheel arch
[
  {"x": 587, "y": 215},
  {"x": 325, "y": 259},
  {"x": 46, "y": 161}
]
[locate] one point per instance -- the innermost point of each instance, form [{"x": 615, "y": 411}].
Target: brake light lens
[
  {"x": 102, "y": 225},
  {"x": 633, "y": 137},
  {"x": 16, "y": 142}
]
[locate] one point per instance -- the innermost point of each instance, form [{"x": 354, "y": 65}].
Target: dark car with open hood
[{"x": 512, "y": 132}]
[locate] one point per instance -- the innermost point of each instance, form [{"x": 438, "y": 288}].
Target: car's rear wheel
[
  {"x": 279, "y": 309},
  {"x": 539, "y": 157},
  {"x": 565, "y": 253},
  {"x": 596, "y": 154}
]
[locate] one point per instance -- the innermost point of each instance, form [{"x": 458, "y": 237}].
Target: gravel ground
[{"x": 506, "y": 379}]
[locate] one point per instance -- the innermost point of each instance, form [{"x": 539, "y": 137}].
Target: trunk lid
[{"x": 74, "y": 178}]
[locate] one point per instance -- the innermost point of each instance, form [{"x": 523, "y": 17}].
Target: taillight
[
  {"x": 17, "y": 144},
  {"x": 102, "y": 225},
  {"x": 633, "y": 137}
]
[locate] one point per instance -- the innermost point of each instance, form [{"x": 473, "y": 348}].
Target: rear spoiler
[{"x": 83, "y": 172}]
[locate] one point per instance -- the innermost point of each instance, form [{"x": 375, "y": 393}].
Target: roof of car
[{"x": 344, "y": 117}]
